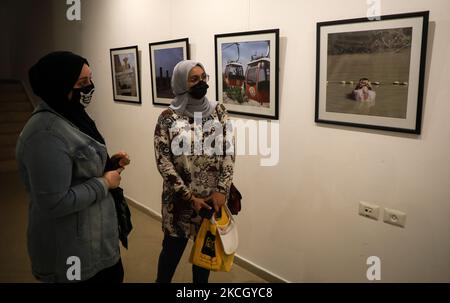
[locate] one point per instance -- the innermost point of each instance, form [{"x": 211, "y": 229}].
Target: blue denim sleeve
[{"x": 49, "y": 169}]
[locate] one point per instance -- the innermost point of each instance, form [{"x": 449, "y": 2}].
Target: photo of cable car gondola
[
  {"x": 251, "y": 87},
  {"x": 233, "y": 76},
  {"x": 257, "y": 81},
  {"x": 245, "y": 82}
]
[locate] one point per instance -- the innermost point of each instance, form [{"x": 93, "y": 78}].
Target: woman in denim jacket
[{"x": 64, "y": 164}]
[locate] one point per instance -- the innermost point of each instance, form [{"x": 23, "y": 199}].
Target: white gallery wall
[{"x": 300, "y": 218}]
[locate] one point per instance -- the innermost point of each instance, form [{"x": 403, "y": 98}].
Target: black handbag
[
  {"x": 234, "y": 200},
  {"x": 123, "y": 215}
]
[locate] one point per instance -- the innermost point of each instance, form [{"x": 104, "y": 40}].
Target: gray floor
[{"x": 140, "y": 261}]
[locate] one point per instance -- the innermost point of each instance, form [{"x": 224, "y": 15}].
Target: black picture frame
[
  {"x": 370, "y": 73},
  {"x": 165, "y": 54},
  {"x": 125, "y": 74},
  {"x": 247, "y": 72}
]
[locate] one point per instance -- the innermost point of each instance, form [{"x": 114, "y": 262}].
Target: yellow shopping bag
[{"x": 208, "y": 251}]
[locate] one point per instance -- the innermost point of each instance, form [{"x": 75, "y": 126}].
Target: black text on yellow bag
[{"x": 208, "y": 251}]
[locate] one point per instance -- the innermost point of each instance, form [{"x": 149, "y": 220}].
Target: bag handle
[{"x": 230, "y": 218}]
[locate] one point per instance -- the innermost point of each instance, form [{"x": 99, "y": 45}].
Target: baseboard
[
  {"x": 258, "y": 271},
  {"x": 145, "y": 209},
  {"x": 244, "y": 263}
]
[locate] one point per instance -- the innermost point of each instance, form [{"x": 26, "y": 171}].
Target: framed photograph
[
  {"x": 370, "y": 74},
  {"x": 247, "y": 72},
  {"x": 125, "y": 74},
  {"x": 163, "y": 58}
]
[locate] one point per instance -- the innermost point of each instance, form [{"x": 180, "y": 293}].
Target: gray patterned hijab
[{"x": 183, "y": 103}]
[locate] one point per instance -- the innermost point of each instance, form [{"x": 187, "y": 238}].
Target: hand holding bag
[{"x": 208, "y": 250}]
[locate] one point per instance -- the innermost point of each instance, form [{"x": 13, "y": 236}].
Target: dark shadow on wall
[{"x": 36, "y": 28}]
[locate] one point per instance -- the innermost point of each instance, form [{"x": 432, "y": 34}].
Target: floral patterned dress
[{"x": 194, "y": 158}]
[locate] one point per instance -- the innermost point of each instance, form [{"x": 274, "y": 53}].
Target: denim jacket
[{"x": 71, "y": 212}]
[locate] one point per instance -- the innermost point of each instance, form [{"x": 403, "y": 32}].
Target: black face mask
[
  {"x": 83, "y": 95},
  {"x": 199, "y": 90}
]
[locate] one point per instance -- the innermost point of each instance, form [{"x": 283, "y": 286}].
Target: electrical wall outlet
[
  {"x": 394, "y": 217},
  {"x": 368, "y": 210}
]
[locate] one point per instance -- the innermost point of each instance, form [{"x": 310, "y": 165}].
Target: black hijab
[{"x": 52, "y": 78}]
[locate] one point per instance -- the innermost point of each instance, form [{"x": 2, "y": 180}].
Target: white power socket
[
  {"x": 369, "y": 210},
  {"x": 394, "y": 217}
]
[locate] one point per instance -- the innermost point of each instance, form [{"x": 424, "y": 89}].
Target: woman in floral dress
[{"x": 194, "y": 149}]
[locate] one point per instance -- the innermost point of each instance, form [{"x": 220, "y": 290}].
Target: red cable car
[
  {"x": 234, "y": 71},
  {"x": 257, "y": 80},
  {"x": 234, "y": 75}
]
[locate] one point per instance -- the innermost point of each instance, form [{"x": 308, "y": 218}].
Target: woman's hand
[
  {"x": 113, "y": 178},
  {"x": 123, "y": 157},
  {"x": 218, "y": 200},
  {"x": 199, "y": 203}
]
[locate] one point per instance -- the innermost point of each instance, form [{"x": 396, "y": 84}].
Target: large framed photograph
[
  {"x": 247, "y": 72},
  {"x": 370, "y": 74},
  {"x": 163, "y": 58},
  {"x": 125, "y": 74}
]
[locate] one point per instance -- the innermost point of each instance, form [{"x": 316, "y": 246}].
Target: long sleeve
[
  {"x": 49, "y": 169},
  {"x": 164, "y": 163},
  {"x": 227, "y": 166}
]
